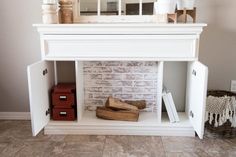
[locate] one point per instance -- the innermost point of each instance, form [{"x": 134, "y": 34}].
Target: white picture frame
[{"x": 116, "y": 18}]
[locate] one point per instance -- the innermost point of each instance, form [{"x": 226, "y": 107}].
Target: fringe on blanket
[{"x": 229, "y": 113}]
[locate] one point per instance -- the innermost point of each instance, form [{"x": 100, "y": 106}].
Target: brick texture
[{"x": 127, "y": 80}]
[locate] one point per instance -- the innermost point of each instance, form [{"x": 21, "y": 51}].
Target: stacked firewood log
[{"x": 116, "y": 109}]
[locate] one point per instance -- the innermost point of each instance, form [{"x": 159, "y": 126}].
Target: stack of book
[{"x": 170, "y": 106}]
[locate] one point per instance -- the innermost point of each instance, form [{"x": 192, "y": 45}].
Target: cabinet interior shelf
[
  {"x": 147, "y": 125},
  {"x": 145, "y": 119}
]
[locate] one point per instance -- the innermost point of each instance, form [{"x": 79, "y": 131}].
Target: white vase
[
  {"x": 165, "y": 6},
  {"x": 49, "y": 14},
  {"x": 50, "y": 18},
  {"x": 188, "y": 4},
  {"x": 49, "y": 7},
  {"x": 49, "y": 1}
]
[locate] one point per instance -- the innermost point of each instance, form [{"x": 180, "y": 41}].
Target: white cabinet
[{"x": 83, "y": 42}]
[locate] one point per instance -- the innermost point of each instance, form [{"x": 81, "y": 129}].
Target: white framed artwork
[{"x": 117, "y": 11}]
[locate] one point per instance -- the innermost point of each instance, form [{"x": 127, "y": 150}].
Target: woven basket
[{"x": 224, "y": 130}]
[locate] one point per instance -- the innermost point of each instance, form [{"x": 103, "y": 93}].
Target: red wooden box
[
  {"x": 64, "y": 88},
  {"x": 63, "y": 100},
  {"x": 63, "y": 95},
  {"x": 63, "y": 114}
]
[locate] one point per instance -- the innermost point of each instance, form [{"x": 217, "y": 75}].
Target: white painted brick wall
[{"x": 129, "y": 80}]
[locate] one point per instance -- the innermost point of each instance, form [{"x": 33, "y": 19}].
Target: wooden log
[
  {"x": 115, "y": 103},
  {"x": 122, "y": 115},
  {"x": 140, "y": 104}
]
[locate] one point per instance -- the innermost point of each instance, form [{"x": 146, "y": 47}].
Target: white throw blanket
[{"x": 224, "y": 108}]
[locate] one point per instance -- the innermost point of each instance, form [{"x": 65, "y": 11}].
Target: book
[
  {"x": 168, "y": 109},
  {"x": 170, "y": 106}
]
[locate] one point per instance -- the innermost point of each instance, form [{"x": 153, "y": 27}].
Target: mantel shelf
[{"x": 121, "y": 28}]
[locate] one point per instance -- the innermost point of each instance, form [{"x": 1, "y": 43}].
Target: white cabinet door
[
  {"x": 196, "y": 95},
  {"x": 40, "y": 81}
]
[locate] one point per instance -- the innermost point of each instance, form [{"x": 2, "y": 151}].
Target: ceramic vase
[
  {"x": 187, "y": 4},
  {"x": 165, "y": 6},
  {"x": 49, "y": 14}
]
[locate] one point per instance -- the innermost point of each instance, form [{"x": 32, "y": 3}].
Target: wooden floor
[{"x": 16, "y": 140}]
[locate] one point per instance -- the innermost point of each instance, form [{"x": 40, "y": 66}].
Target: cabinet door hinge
[
  {"x": 45, "y": 71},
  {"x": 191, "y": 114},
  {"x": 47, "y": 112}
]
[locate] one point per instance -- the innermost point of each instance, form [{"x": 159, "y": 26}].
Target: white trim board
[{"x": 14, "y": 115}]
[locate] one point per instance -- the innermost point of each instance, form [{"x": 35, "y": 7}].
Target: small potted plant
[
  {"x": 185, "y": 4},
  {"x": 165, "y": 6}
]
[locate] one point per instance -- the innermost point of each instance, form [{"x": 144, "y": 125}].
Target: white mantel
[
  {"x": 80, "y": 41},
  {"x": 133, "y": 41},
  {"x": 116, "y": 28}
]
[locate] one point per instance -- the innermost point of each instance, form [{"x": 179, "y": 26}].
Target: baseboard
[{"x": 15, "y": 115}]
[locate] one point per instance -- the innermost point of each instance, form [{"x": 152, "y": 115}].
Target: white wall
[
  {"x": 19, "y": 46},
  {"x": 218, "y": 42}
]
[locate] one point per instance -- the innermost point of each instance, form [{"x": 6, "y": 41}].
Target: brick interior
[{"x": 127, "y": 80}]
